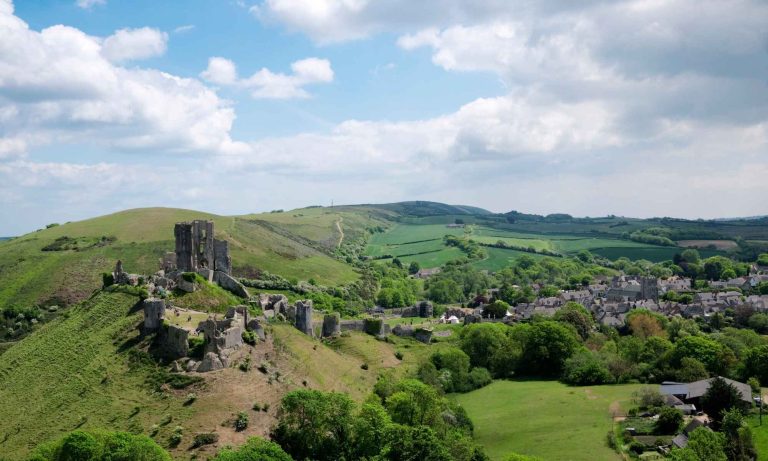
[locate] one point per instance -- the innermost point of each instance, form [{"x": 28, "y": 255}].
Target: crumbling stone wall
[
  {"x": 331, "y": 325},
  {"x": 194, "y": 245},
  {"x": 173, "y": 342},
  {"x": 304, "y": 317},
  {"x": 154, "y": 313}
]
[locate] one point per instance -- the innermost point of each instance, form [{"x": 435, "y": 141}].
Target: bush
[
  {"x": 107, "y": 279},
  {"x": 205, "y": 438},
  {"x": 480, "y": 377},
  {"x": 98, "y": 445},
  {"x": 256, "y": 406},
  {"x": 241, "y": 422},
  {"x": 254, "y": 449},
  {"x": 364, "y": 366},
  {"x": 670, "y": 420},
  {"x": 249, "y": 337},
  {"x": 399, "y": 355},
  {"x": 636, "y": 447}
]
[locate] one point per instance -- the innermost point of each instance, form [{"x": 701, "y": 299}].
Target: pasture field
[
  {"x": 499, "y": 258},
  {"x": 546, "y": 418},
  {"x": 408, "y": 233}
]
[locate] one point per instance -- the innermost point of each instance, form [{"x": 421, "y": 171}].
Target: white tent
[{"x": 453, "y": 319}]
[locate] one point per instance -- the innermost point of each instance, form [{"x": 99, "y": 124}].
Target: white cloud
[
  {"x": 59, "y": 87},
  {"x": 220, "y": 71},
  {"x": 270, "y": 85},
  {"x": 184, "y": 29},
  {"x": 134, "y": 44},
  {"x": 87, "y": 4}
]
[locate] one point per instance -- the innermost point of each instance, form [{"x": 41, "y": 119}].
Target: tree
[
  {"x": 644, "y": 323},
  {"x": 754, "y": 384},
  {"x": 414, "y": 267},
  {"x": 703, "y": 444},
  {"x": 480, "y": 341},
  {"x": 255, "y": 449},
  {"x": 705, "y": 350},
  {"x": 648, "y": 397},
  {"x": 414, "y": 444},
  {"x": 577, "y": 316},
  {"x": 496, "y": 310},
  {"x": 585, "y": 369},
  {"x": 457, "y": 362},
  {"x": 371, "y": 430},
  {"x": 690, "y": 370},
  {"x": 413, "y": 403},
  {"x": 669, "y": 422},
  {"x": 739, "y": 445},
  {"x": 720, "y": 396},
  {"x": 548, "y": 345},
  {"x": 315, "y": 425},
  {"x": 691, "y": 255},
  {"x": 756, "y": 363}
]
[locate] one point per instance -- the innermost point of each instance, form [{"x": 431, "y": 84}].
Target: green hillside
[
  {"x": 85, "y": 249},
  {"x": 71, "y": 373}
]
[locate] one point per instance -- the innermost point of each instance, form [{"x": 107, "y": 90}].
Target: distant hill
[{"x": 421, "y": 208}]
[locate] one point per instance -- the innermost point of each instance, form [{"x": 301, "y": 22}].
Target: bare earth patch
[{"x": 718, "y": 244}]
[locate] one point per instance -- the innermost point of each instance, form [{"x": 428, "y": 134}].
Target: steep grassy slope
[
  {"x": 80, "y": 371},
  {"x": 29, "y": 275},
  {"x": 71, "y": 373}
]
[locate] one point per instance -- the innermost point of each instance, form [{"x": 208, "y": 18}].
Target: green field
[
  {"x": 422, "y": 241},
  {"x": 545, "y": 418},
  {"x": 760, "y": 436},
  {"x": 499, "y": 258}
]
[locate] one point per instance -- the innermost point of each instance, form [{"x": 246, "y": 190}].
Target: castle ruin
[{"x": 196, "y": 248}]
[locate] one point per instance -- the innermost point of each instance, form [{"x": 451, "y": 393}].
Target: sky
[{"x": 635, "y": 108}]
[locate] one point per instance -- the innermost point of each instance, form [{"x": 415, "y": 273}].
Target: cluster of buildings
[{"x": 611, "y": 299}]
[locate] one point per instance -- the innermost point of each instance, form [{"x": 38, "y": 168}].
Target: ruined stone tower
[{"x": 197, "y": 249}]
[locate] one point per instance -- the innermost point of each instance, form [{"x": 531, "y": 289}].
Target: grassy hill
[
  {"x": 81, "y": 251},
  {"x": 85, "y": 370}
]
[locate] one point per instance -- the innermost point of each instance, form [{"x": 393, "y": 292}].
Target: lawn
[
  {"x": 545, "y": 418},
  {"x": 760, "y": 436}
]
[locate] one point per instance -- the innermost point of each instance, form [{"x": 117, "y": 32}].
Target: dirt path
[{"x": 341, "y": 231}]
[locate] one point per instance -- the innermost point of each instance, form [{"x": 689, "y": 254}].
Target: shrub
[
  {"x": 399, "y": 355},
  {"x": 241, "y": 422},
  {"x": 205, "y": 438},
  {"x": 364, "y": 366},
  {"x": 245, "y": 365},
  {"x": 670, "y": 420},
  {"x": 480, "y": 377},
  {"x": 249, "y": 337},
  {"x": 107, "y": 279},
  {"x": 190, "y": 398},
  {"x": 636, "y": 447},
  {"x": 256, "y": 406}
]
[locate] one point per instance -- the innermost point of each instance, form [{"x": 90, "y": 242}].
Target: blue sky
[{"x": 630, "y": 107}]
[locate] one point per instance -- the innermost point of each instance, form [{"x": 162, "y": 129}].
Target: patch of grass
[
  {"x": 760, "y": 435},
  {"x": 545, "y": 418}
]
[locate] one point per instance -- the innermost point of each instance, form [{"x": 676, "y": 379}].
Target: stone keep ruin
[{"x": 196, "y": 249}]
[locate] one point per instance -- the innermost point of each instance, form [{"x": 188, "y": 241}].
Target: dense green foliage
[
  {"x": 406, "y": 420},
  {"x": 101, "y": 446}
]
